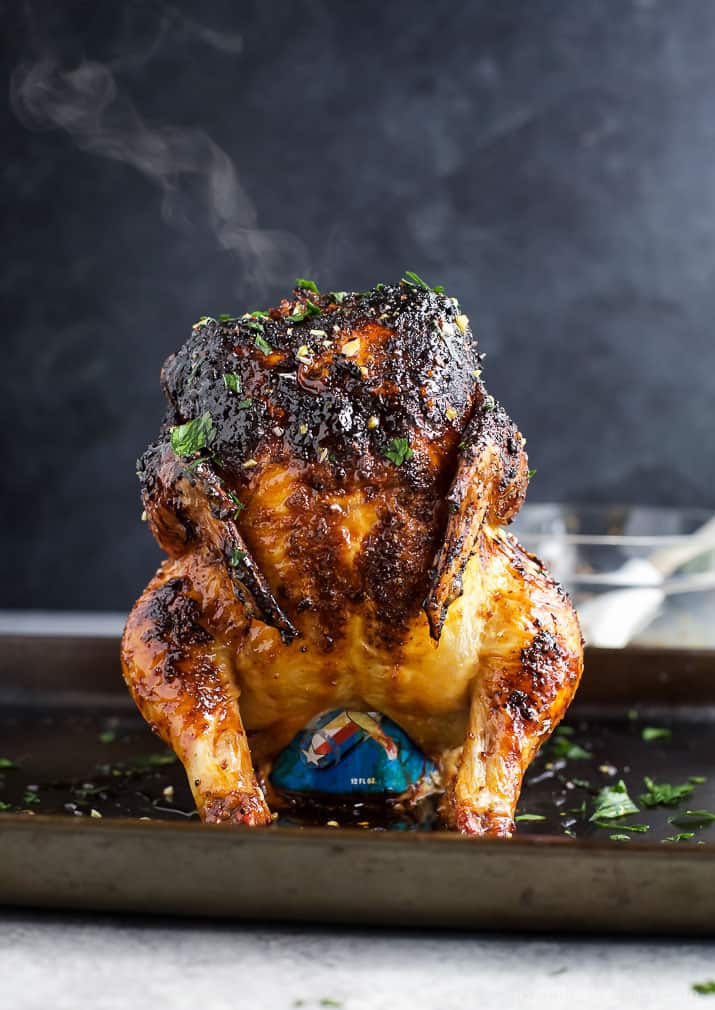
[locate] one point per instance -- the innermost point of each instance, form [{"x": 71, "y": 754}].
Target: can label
[{"x": 346, "y": 752}]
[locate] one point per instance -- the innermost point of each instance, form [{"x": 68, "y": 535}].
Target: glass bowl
[{"x": 639, "y": 575}]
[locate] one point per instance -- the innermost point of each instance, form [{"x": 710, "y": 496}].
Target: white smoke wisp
[{"x": 196, "y": 177}]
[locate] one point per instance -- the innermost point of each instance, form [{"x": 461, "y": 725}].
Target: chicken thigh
[{"x": 331, "y": 486}]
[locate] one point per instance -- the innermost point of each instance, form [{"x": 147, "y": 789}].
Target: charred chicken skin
[{"x": 331, "y": 486}]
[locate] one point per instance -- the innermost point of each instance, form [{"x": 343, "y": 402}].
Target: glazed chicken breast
[{"x": 331, "y": 485}]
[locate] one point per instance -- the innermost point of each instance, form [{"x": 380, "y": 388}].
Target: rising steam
[{"x": 196, "y": 177}]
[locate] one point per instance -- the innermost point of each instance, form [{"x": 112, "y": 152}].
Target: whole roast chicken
[{"x": 331, "y": 485}]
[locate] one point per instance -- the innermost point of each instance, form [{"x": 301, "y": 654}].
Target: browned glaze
[{"x": 335, "y": 542}]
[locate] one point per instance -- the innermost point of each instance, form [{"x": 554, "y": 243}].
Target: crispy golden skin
[{"x": 338, "y": 543}]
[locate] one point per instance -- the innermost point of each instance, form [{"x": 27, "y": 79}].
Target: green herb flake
[
  {"x": 30, "y": 798},
  {"x": 697, "y": 780},
  {"x": 192, "y": 437},
  {"x": 704, "y": 988},
  {"x": 664, "y": 795},
  {"x": 620, "y": 838},
  {"x": 263, "y": 345},
  {"x": 530, "y": 473},
  {"x": 529, "y": 817},
  {"x": 6, "y": 764},
  {"x": 613, "y": 801},
  {"x": 238, "y": 503},
  {"x": 398, "y": 451},
  {"x": 561, "y": 747},
  {"x": 225, "y": 317},
  {"x": 246, "y": 402},
  {"x": 107, "y": 736},
  {"x": 413, "y": 280},
  {"x": 328, "y": 1001},
  {"x": 638, "y": 829},
  {"x": 683, "y": 836},
  {"x": 338, "y": 296},
  {"x": 581, "y": 783},
  {"x": 489, "y": 404},
  {"x": 203, "y": 321},
  {"x": 237, "y": 557},
  {"x": 305, "y": 285},
  {"x": 692, "y": 819},
  {"x": 153, "y": 761},
  {"x": 255, "y": 325},
  {"x": 651, "y": 733},
  {"x": 259, "y": 314},
  {"x": 232, "y": 382},
  {"x": 310, "y": 309}
]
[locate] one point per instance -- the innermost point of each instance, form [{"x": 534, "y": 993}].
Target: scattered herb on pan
[
  {"x": 581, "y": 783},
  {"x": 192, "y": 437},
  {"x": 620, "y": 838},
  {"x": 529, "y": 817},
  {"x": 328, "y": 1001},
  {"x": 30, "y": 798},
  {"x": 232, "y": 382},
  {"x": 613, "y": 801},
  {"x": 107, "y": 736},
  {"x": 398, "y": 451},
  {"x": 154, "y": 760},
  {"x": 651, "y": 733},
  {"x": 704, "y": 988},
  {"x": 413, "y": 280},
  {"x": 262, "y": 344},
  {"x": 697, "y": 780},
  {"x": 664, "y": 795},
  {"x": 306, "y": 285},
  {"x": 637, "y": 829},
  {"x": 237, "y": 557},
  {"x": 683, "y": 836},
  {"x": 6, "y": 764},
  {"x": 560, "y": 746},
  {"x": 692, "y": 819}
]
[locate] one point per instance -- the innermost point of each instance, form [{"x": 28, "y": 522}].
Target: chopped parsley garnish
[
  {"x": 704, "y": 988},
  {"x": 561, "y": 747},
  {"x": 650, "y": 733},
  {"x": 6, "y": 763},
  {"x": 192, "y": 437},
  {"x": 664, "y": 795},
  {"x": 398, "y": 451},
  {"x": 305, "y": 285},
  {"x": 413, "y": 280},
  {"x": 259, "y": 314},
  {"x": 310, "y": 309},
  {"x": 620, "y": 838},
  {"x": 232, "y": 382},
  {"x": 154, "y": 760},
  {"x": 530, "y": 473},
  {"x": 697, "y": 780},
  {"x": 637, "y": 829},
  {"x": 338, "y": 296},
  {"x": 692, "y": 819},
  {"x": 107, "y": 736},
  {"x": 263, "y": 345},
  {"x": 613, "y": 801},
  {"x": 225, "y": 317},
  {"x": 246, "y": 402},
  {"x": 237, "y": 557},
  {"x": 30, "y": 798},
  {"x": 195, "y": 370},
  {"x": 238, "y": 503},
  {"x": 5, "y": 806},
  {"x": 682, "y": 836},
  {"x": 254, "y": 324},
  {"x": 529, "y": 817}
]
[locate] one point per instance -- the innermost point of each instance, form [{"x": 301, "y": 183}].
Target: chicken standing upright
[{"x": 331, "y": 484}]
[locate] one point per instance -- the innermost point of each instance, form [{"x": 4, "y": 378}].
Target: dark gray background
[{"x": 551, "y": 162}]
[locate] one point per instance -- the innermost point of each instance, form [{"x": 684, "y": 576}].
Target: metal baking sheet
[{"x": 97, "y": 814}]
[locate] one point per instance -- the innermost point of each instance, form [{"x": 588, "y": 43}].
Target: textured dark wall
[{"x": 551, "y": 162}]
